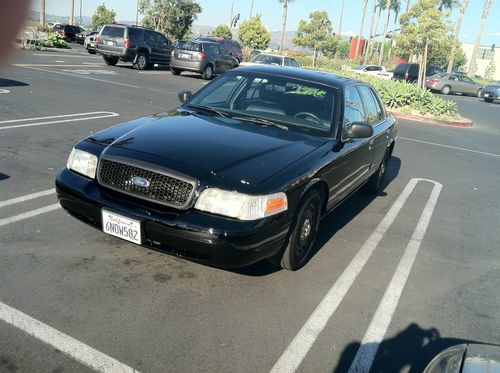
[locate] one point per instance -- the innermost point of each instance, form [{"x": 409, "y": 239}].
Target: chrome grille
[{"x": 165, "y": 189}]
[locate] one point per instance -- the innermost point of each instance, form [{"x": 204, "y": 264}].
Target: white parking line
[
  {"x": 4, "y": 91},
  {"x": 59, "y": 119},
  {"x": 63, "y": 55},
  {"x": 29, "y": 214},
  {"x": 296, "y": 351},
  {"x": 383, "y": 316},
  {"x": 27, "y": 197},
  {"x": 79, "y": 351},
  {"x": 449, "y": 146}
]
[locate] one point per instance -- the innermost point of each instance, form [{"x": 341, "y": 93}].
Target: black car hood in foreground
[{"x": 207, "y": 147}]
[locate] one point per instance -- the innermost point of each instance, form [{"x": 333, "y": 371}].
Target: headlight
[
  {"x": 82, "y": 162},
  {"x": 241, "y": 206}
]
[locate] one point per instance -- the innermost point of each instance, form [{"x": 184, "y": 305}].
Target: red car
[{"x": 67, "y": 32}]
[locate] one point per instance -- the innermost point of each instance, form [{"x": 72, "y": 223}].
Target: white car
[
  {"x": 271, "y": 59},
  {"x": 372, "y": 70}
]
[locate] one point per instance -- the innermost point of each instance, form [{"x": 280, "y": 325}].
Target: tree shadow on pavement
[
  {"x": 410, "y": 351},
  {"x": 332, "y": 223},
  {"x": 11, "y": 83}
]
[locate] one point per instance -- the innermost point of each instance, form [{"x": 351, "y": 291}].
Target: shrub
[{"x": 54, "y": 40}]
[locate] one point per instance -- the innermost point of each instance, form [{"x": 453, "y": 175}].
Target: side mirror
[
  {"x": 184, "y": 96},
  {"x": 359, "y": 130}
]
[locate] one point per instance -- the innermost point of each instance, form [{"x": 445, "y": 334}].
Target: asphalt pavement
[{"x": 395, "y": 279}]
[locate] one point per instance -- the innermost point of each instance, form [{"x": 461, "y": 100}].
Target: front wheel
[
  {"x": 488, "y": 100},
  {"x": 207, "y": 73},
  {"x": 141, "y": 61},
  {"x": 175, "y": 71},
  {"x": 91, "y": 51},
  {"x": 302, "y": 235}
]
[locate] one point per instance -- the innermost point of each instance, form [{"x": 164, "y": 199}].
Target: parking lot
[{"x": 394, "y": 281}]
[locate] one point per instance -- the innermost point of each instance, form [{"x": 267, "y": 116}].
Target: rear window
[
  {"x": 58, "y": 27},
  {"x": 401, "y": 68},
  {"x": 267, "y": 59},
  {"x": 189, "y": 46},
  {"x": 115, "y": 32}
]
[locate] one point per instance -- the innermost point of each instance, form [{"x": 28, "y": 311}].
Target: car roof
[
  {"x": 271, "y": 54},
  {"x": 322, "y": 77}
]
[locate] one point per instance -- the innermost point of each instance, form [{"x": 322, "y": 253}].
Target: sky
[{"x": 216, "y": 12}]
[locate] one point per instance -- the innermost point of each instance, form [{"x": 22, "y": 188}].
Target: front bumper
[
  {"x": 189, "y": 234},
  {"x": 194, "y": 66},
  {"x": 491, "y": 95}
]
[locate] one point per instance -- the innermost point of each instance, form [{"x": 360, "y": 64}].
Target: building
[{"x": 484, "y": 56}]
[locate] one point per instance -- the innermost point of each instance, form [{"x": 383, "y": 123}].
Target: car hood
[{"x": 211, "y": 149}]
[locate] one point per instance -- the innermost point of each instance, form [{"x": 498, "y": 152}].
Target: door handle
[{"x": 370, "y": 144}]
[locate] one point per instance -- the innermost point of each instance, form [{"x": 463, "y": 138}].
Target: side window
[
  {"x": 223, "y": 51},
  {"x": 150, "y": 37},
  {"x": 294, "y": 63},
  {"x": 287, "y": 62},
  {"x": 466, "y": 79},
  {"x": 453, "y": 77},
  {"x": 353, "y": 111},
  {"x": 373, "y": 110},
  {"x": 413, "y": 69},
  {"x": 134, "y": 34}
]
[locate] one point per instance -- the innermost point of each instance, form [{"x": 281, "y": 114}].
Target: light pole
[
  {"x": 251, "y": 9},
  {"x": 72, "y": 17},
  {"x": 137, "y": 14},
  {"x": 80, "y": 12}
]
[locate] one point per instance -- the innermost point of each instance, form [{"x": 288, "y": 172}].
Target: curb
[{"x": 417, "y": 118}]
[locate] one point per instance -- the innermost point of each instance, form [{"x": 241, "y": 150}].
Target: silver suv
[{"x": 203, "y": 57}]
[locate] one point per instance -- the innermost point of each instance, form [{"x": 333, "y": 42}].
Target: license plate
[
  {"x": 184, "y": 55},
  {"x": 110, "y": 43},
  {"x": 121, "y": 226},
  {"x": 486, "y": 95}
]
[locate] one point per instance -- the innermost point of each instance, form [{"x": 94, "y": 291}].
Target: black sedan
[{"x": 243, "y": 170}]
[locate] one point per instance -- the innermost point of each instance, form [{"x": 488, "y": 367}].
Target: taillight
[
  {"x": 126, "y": 43},
  {"x": 433, "y": 81},
  {"x": 97, "y": 39},
  {"x": 201, "y": 56},
  {"x": 173, "y": 52},
  {"x": 406, "y": 75}
]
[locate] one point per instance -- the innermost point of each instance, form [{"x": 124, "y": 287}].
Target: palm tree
[
  {"x": 457, "y": 32},
  {"x": 72, "y": 16},
  {"x": 340, "y": 25},
  {"x": 408, "y": 3},
  {"x": 360, "y": 35},
  {"x": 396, "y": 7},
  {"x": 369, "y": 46},
  {"x": 447, "y": 4},
  {"x": 486, "y": 11},
  {"x": 42, "y": 12},
  {"x": 384, "y": 35},
  {"x": 283, "y": 22}
]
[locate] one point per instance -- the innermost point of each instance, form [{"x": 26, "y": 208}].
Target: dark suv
[
  {"x": 408, "y": 72},
  {"x": 67, "y": 32},
  {"x": 232, "y": 46},
  {"x": 203, "y": 57},
  {"x": 139, "y": 45}
]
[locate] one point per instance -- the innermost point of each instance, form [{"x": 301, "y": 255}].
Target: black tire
[
  {"x": 91, "y": 51},
  {"x": 141, "y": 61},
  {"x": 488, "y": 100},
  {"x": 111, "y": 61},
  {"x": 208, "y": 73},
  {"x": 302, "y": 234},
  {"x": 446, "y": 90},
  {"x": 376, "y": 181},
  {"x": 175, "y": 71}
]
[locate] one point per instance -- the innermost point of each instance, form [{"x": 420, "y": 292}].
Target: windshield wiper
[
  {"x": 209, "y": 109},
  {"x": 262, "y": 121}
]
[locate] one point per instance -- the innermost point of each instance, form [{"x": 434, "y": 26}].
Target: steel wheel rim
[
  {"x": 209, "y": 72},
  {"x": 306, "y": 231},
  {"x": 141, "y": 61}
]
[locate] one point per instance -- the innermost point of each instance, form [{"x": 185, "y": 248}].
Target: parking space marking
[
  {"x": 27, "y": 197},
  {"x": 77, "y": 76},
  {"x": 298, "y": 348},
  {"x": 79, "y": 351},
  {"x": 4, "y": 91},
  {"x": 29, "y": 214},
  {"x": 381, "y": 320},
  {"x": 449, "y": 146},
  {"x": 59, "y": 119},
  {"x": 33, "y": 65},
  {"x": 62, "y": 55}
]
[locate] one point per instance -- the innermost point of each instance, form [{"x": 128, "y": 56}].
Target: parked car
[
  {"x": 466, "y": 358},
  {"x": 203, "y": 57},
  {"x": 271, "y": 59},
  {"x": 67, "y": 32},
  {"x": 89, "y": 43},
  {"x": 232, "y": 46},
  {"x": 408, "y": 72},
  {"x": 243, "y": 170},
  {"x": 491, "y": 92},
  {"x": 82, "y": 35},
  {"x": 140, "y": 45},
  {"x": 453, "y": 83},
  {"x": 372, "y": 70}
]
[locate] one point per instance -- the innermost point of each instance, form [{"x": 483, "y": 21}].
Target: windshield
[
  {"x": 267, "y": 59},
  {"x": 300, "y": 105}
]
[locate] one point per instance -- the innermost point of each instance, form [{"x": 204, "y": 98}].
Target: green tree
[
  {"x": 171, "y": 17},
  {"x": 424, "y": 30},
  {"x": 316, "y": 34},
  {"x": 343, "y": 49},
  {"x": 490, "y": 70},
  {"x": 253, "y": 34},
  {"x": 222, "y": 31},
  {"x": 102, "y": 16}
]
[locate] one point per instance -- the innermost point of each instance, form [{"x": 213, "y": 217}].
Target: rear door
[
  {"x": 375, "y": 116},
  {"x": 468, "y": 85},
  {"x": 112, "y": 39},
  {"x": 226, "y": 59},
  {"x": 152, "y": 44}
]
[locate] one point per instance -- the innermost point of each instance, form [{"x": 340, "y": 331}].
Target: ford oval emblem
[{"x": 139, "y": 181}]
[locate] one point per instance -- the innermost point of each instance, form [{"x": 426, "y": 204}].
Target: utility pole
[
  {"x": 231, "y": 19},
  {"x": 457, "y": 33},
  {"x": 137, "y": 14},
  {"x": 72, "y": 16},
  {"x": 251, "y": 9},
  {"x": 388, "y": 8},
  {"x": 486, "y": 10},
  {"x": 42, "y": 13},
  {"x": 408, "y": 5},
  {"x": 372, "y": 24},
  {"x": 80, "y": 12},
  {"x": 360, "y": 35},
  {"x": 341, "y": 17}
]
